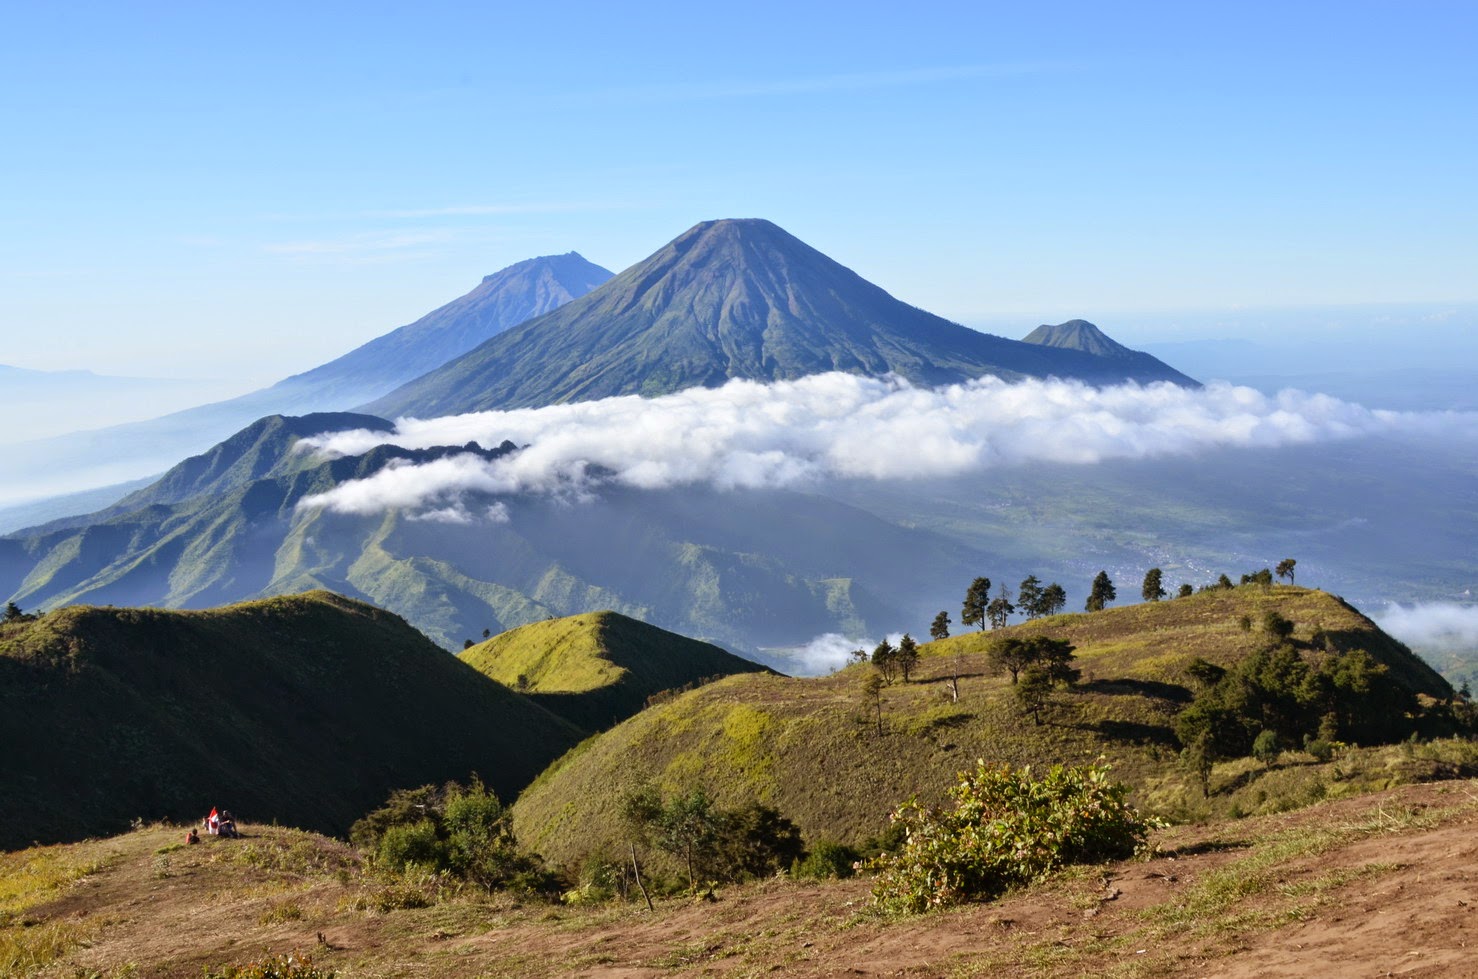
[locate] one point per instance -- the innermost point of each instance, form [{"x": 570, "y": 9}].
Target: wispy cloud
[{"x": 749, "y": 435}]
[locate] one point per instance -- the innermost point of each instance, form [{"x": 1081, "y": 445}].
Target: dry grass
[{"x": 1216, "y": 894}]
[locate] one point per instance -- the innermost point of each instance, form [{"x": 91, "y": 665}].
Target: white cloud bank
[
  {"x": 1443, "y": 626},
  {"x": 826, "y": 653},
  {"x": 750, "y": 435}
]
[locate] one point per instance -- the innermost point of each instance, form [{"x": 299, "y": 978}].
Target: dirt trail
[{"x": 1391, "y": 890}]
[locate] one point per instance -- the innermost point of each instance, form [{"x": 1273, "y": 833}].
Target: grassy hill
[
  {"x": 598, "y": 668},
  {"x": 307, "y": 710},
  {"x": 810, "y": 747}
]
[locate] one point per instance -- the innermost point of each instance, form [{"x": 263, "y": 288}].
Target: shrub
[
  {"x": 1321, "y": 750},
  {"x": 827, "y": 859},
  {"x": 464, "y": 832},
  {"x": 1267, "y": 747},
  {"x": 409, "y": 843},
  {"x": 1006, "y": 828}
]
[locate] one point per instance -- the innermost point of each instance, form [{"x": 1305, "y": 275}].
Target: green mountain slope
[
  {"x": 727, "y": 299},
  {"x": 810, "y": 747},
  {"x": 598, "y": 668},
  {"x": 745, "y": 569},
  {"x": 307, "y": 710}
]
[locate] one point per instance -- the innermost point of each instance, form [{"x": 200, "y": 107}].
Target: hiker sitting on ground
[{"x": 193, "y": 836}]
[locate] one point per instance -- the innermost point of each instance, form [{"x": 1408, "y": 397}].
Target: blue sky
[{"x": 246, "y": 191}]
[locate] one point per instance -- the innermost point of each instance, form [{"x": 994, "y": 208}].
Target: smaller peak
[{"x": 1077, "y": 335}]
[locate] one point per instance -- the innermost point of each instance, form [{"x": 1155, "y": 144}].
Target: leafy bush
[
  {"x": 600, "y": 880},
  {"x": 1267, "y": 747},
  {"x": 827, "y": 859},
  {"x": 1321, "y": 750},
  {"x": 716, "y": 843},
  {"x": 409, "y": 843},
  {"x": 1006, "y": 828},
  {"x": 463, "y": 832}
]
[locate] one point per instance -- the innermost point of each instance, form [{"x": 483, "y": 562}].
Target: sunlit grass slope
[
  {"x": 811, "y": 748},
  {"x": 306, "y": 709},
  {"x": 600, "y": 667}
]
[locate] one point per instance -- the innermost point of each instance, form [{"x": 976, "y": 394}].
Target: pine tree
[
  {"x": 1102, "y": 593},
  {"x": 1029, "y": 596},
  {"x": 906, "y": 655},
  {"x": 977, "y": 597},
  {"x": 940, "y": 627},
  {"x": 1153, "y": 589},
  {"x": 1285, "y": 569},
  {"x": 1000, "y": 609},
  {"x": 885, "y": 658},
  {"x": 1054, "y": 599}
]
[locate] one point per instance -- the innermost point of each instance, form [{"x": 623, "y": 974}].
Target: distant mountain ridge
[
  {"x": 122, "y": 453},
  {"x": 732, "y": 299},
  {"x": 502, "y": 300}
]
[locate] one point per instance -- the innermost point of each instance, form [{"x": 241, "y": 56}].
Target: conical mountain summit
[
  {"x": 1077, "y": 335},
  {"x": 734, "y": 298}
]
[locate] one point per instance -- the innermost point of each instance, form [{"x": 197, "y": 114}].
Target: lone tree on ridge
[
  {"x": 1101, "y": 594},
  {"x": 977, "y": 597},
  {"x": 1153, "y": 589}
]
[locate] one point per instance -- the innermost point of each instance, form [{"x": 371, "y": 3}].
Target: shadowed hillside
[
  {"x": 812, "y": 749},
  {"x": 307, "y": 710},
  {"x": 599, "y": 668}
]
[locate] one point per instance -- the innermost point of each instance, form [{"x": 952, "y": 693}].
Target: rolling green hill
[
  {"x": 732, "y": 299},
  {"x": 306, "y": 710},
  {"x": 811, "y": 748},
  {"x": 598, "y": 668},
  {"x": 745, "y": 569}
]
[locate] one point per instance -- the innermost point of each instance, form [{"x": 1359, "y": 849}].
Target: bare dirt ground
[{"x": 1379, "y": 885}]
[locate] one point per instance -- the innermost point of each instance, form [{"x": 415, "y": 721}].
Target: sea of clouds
[
  {"x": 1433, "y": 626},
  {"x": 751, "y": 435}
]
